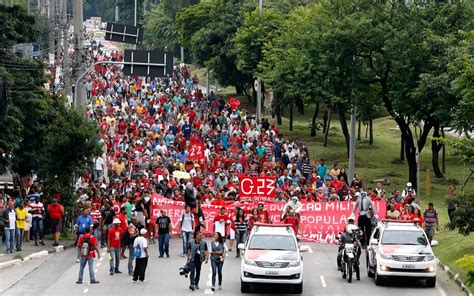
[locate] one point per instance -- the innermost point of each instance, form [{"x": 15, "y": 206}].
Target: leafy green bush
[{"x": 467, "y": 263}]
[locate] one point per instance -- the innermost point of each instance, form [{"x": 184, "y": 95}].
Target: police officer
[{"x": 348, "y": 238}]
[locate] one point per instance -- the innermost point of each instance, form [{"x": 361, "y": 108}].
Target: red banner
[
  {"x": 196, "y": 151},
  {"x": 320, "y": 221},
  {"x": 255, "y": 189}
]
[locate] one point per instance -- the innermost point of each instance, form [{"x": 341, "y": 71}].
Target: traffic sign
[
  {"x": 147, "y": 63},
  {"x": 124, "y": 33}
]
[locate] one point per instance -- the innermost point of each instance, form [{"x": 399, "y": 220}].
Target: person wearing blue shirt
[
  {"x": 322, "y": 168},
  {"x": 225, "y": 140},
  {"x": 186, "y": 130},
  {"x": 83, "y": 222},
  {"x": 182, "y": 156}
]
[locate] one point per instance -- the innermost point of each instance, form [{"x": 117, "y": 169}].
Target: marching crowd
[{"x": 146, "y": 127}]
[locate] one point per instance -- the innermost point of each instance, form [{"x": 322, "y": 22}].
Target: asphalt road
[{"x": 56, "y": 275}]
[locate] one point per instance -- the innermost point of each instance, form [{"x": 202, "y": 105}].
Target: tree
[
  {"x": 207, "y": 29},
  {"x": 462, "y": 68},
  {"x": 463, "y": 217},
  {"x": 159, "y": 23},
  {"x": 71, "y": 143},
  {"x": 38, "y": 132}
]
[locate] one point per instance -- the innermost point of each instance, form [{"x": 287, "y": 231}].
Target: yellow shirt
[
  {"x": 21, "y": 214},
  {"x": 119, "y": 167}
]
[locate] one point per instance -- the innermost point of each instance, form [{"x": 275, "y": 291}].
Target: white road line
[
  {"x": 85, "y": 290},
  {"x": 310, "y": 250},
  {"x": 96, "y": 270},
  {"x": 208, "y": 292},
  {"x": 98, "y": 264},
  {"x": 101, "y": 258},
  {"x": 323, "y": 281},
  {"x": 440, "y": 290}
]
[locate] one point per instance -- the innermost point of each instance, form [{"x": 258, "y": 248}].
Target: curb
[
  {"x": 456, "y": 279},
  {"x": 39, "y": 254}
]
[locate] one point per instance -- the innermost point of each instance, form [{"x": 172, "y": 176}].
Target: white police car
[
  {"x": 400, "y": 249},
  {"x": 272, "y": 256}
]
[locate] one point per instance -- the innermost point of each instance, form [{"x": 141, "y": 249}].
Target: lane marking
[
  {"x": 98, "y": 264},
  {"x": 208, "y": 292},
  {"x": 96, "y": 270},
  {"x": 310, "y": 250},
  {"x": 101, "y": 258},
  {"x": 85, "y": 290},
  {"x": 440, "y": 290},
  {"x": 323, "y": 282}
]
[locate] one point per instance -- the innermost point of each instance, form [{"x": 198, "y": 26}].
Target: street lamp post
[{"x": 135, "y": 20}]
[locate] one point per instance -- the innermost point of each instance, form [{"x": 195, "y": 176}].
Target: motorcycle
[{"x": 350, "y": 258}]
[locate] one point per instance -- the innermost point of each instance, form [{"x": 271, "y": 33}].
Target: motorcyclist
[{"x": 347, "y": 237}]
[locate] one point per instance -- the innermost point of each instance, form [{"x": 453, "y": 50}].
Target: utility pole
[
  {"x": 78, "y": 38},
  {"x": 66, "y": 62},
  {"x": 259, "y": 83}
]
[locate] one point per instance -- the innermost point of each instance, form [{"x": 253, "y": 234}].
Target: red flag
[{"x": 234, "y": 103}]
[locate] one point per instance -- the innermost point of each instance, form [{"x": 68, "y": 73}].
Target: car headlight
[
  {"x": 429, "y": 258},
  {"x": 294, "y": 263},
  {"x": 386, "y": 256},
  {"x": 250, "y": 262}
]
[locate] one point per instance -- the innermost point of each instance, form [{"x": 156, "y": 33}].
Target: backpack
[
  {"x": 137, "y": 252},
  {"x": 85, "y": 247}
]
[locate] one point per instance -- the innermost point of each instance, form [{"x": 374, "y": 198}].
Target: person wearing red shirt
[
  {"x": 218, "y": 201},
  {"x": 406, "y": 214},
  {"x": 292, "y": 219},
  {"x": 56, "y": 213},
  {"x": 263, "y": 215},
  {"x": 221, "y": 221},
  {"x": 114, "y": 239},
  {"x": 253, "y": 218},
  {"x": 336, "y": 184},
  {"x": 122, "y": 216},
  {"x": 91, "y": 240}
]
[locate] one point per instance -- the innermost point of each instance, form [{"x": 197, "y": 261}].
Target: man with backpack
[
  {"x": 187, "y": 228},
  {"x": 83, "y": 223},
  {"x": 87, "y": 246}
]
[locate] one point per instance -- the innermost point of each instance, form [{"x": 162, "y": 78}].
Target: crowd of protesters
[{"x": 146, "y": 127}]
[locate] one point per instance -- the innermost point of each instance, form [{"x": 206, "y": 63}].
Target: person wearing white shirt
[
  {"x": 98, "y": 167},
  {"x": 140, "y": 246}
]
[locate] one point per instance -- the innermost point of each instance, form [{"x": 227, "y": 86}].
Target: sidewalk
[{"x": 30, "y": 248}]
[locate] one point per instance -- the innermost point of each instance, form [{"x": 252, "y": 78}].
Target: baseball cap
[
  {"x": 116, "y": 221},
  {"x": 143, "y": 231}
]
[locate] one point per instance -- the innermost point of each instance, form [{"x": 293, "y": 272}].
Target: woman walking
[
  {"x": 217, "y": 259},
  {"x": 241, "y": 227}
]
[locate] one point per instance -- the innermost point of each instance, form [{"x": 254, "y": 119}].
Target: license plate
[
  {"x": 271, "y": 272},
  {"x": 408, "y": 266}
]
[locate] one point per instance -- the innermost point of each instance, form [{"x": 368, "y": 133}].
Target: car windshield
[
  {"x": 272, "y": 242},
  {"x": 404, "y": 237}
]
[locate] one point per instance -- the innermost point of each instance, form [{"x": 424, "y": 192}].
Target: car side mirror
[
  {"x": 241, "y": 246},
  {"x": 374, "y": 241},
  {"x": 434, "y": 243},
  {"x": 304, "y": 248}
]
